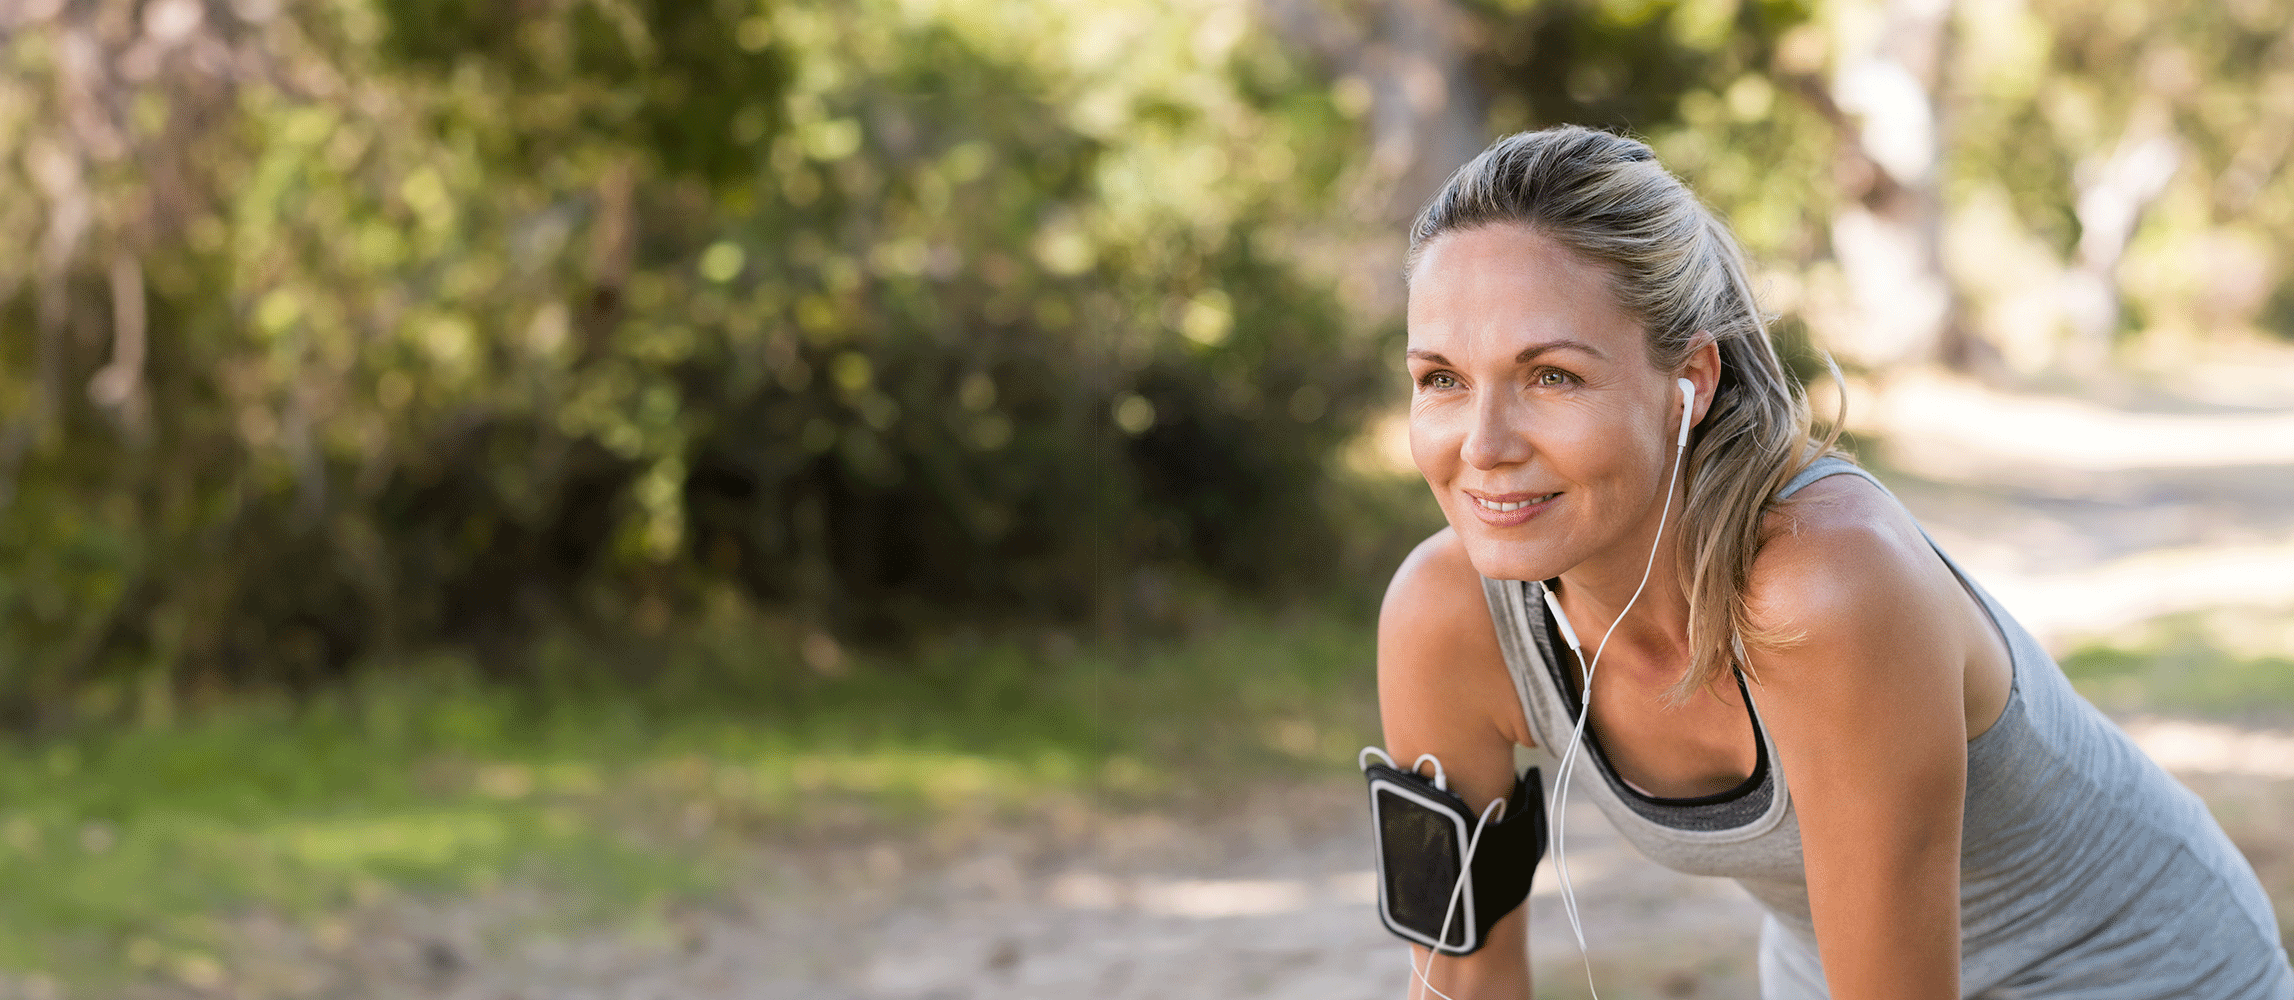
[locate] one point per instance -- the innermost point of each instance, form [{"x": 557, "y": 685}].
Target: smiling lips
[
  {"x": 1510, "y": 508},
  {"x": 1507, "y": 507}
]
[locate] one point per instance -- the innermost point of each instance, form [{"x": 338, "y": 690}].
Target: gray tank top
[{"x": 2085, "y": 870}]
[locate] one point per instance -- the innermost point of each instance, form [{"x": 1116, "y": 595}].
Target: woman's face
[{"x": 1536, "y": 416}]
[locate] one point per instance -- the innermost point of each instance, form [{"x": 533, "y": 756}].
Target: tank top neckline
[{"x": 1572, "y": 703}]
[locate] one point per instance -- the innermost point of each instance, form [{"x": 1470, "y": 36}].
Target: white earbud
[{"x": 1688, "y": 406}]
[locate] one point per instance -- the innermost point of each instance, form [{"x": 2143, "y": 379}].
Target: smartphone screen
[{"x": 1420, "y": 865}]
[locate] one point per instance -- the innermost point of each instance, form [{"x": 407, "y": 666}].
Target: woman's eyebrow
[
  {"x": 1531, "y": 352},
  {"x": 1527, "y": 354}
]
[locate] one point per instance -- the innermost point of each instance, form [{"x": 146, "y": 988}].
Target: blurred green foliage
[
  {"x": 467, "y": 321},
  {"x": 2049, "y": 94},
  {"x": 350, "y": 330}
]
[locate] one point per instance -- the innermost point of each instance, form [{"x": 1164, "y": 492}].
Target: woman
[{"x": 1806, "y": 694}]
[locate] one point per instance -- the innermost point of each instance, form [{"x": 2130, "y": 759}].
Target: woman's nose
[{"x": 1497, "y": 436}]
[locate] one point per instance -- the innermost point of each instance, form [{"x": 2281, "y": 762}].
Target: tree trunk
[
  {"x": 2112, "y": 197},
  {"x": 1427, "y": 116},
  {"x": 1884, "y": 98}
]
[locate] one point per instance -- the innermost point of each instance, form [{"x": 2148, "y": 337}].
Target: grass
[
  {"x": 122, "y": 852},
  {"x": 2177, "y": 666},
  {"x": 126, "y": 853}
]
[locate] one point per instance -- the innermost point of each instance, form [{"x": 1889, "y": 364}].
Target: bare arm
[
  {"x": 1867, "y": 712},
  {"x": 1443, "y": 690}
]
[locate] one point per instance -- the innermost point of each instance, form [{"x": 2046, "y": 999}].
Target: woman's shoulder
[
  {"x": 1839, "y": 550},
  {"x": 1436, "y": 588}
]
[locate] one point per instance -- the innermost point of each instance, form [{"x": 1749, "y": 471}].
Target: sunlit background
[{"x": 888, "y": 498}]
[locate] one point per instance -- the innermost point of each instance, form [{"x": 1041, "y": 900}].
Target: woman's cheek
[
  {"x": 1434, "y": 442},
  {"x": 1422, "y": 453}
]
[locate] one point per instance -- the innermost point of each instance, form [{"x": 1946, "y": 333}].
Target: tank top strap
[{"x": 1826, "y": 467}]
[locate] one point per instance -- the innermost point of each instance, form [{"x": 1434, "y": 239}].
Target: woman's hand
[
  {"x": 1443, "y": 690},
  {"x": 1868, "y": 715}
]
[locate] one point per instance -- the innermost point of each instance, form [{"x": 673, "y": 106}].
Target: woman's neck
[{"x": 1653, "y": 634}]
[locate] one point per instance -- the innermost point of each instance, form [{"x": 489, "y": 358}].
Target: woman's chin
[{"x": 1510, "y": 560}]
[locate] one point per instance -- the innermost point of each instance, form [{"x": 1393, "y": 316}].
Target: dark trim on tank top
[{"x": 1726, "y": 810}]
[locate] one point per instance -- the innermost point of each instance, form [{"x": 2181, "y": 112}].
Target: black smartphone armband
[{"x": 1422, "y": 830}]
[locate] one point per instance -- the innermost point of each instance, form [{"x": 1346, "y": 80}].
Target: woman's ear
[{"x": 1703, "y": 367}]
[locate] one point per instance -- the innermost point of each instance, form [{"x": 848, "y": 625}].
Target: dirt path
[
  {"x": 2085, "y": 521},
  {"x": 1270, "y": 899},
  {"x": 1267, "y": 900}
]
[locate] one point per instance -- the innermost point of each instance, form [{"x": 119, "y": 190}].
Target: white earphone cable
[
  {"x": 1585, "y": 705},
  {"x": 1457, "y": 889}
]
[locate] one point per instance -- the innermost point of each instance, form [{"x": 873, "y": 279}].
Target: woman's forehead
[{"x": 1505, "y": 289}]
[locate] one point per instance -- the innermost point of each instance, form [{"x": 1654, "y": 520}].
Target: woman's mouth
[
  {"x": 1507, "y": 507},
  {"x": 1510, "y": 509}
]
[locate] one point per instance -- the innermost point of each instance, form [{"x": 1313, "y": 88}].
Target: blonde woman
[{"x": 1805, "y": 695}]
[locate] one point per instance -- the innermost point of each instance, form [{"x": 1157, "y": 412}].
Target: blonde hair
[{"x": 1675, "y": 267}]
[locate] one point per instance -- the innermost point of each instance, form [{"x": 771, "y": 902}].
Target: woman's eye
[
  {"x": 1550, "y": 379},
  {"x": 1439, "y": 380}
]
